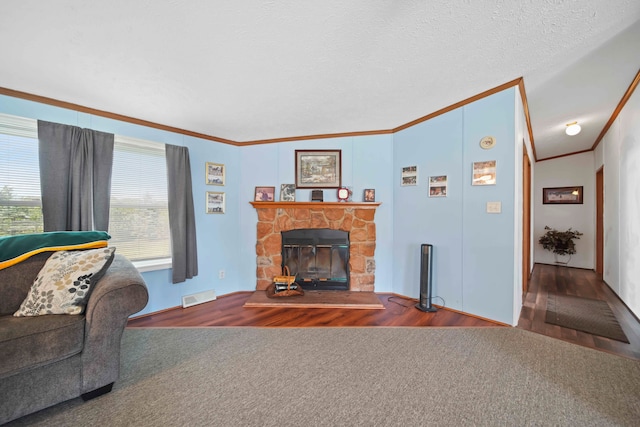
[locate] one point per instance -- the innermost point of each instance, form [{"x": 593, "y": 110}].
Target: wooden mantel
[{"x": 311, "y": 205}]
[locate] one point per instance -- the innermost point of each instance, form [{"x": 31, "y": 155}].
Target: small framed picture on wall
[
  {"x": 409, "y": 175},
  {"x": 438, "y": 186},
  {"x": 215, "y": 202},
  {"x": 214, "y": 173},
  {"x": 484, "y": 173}
]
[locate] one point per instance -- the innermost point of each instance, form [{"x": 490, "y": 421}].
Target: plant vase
[
  {"x": 562, "y": 259},
  {"x": 560, "y": 243}
]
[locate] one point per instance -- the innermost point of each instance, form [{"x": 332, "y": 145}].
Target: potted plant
[{"x": 560, "y": 242}]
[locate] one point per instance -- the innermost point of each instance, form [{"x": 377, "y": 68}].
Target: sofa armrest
[{"x": 120, "y": 293}]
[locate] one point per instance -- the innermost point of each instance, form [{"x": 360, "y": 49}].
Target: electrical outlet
[{"x": 221, "y": 274}]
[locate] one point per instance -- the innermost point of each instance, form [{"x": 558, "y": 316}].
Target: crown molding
[
  {"x": 109, "y": 115},
  {"x": 616, "y": 112},
  {"x": 76, "y": 107}
]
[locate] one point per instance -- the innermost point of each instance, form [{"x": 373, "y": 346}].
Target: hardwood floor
[
  {"x": 228, "y": 310},
  {"x": 581, "y": 283}
]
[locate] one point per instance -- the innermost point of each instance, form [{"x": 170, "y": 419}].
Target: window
[
  {"x": 139, "y": 215},
  {"x": 20, "y": 203}
]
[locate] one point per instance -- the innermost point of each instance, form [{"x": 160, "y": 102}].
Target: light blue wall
[
  {"x": 473, "y": 254},
  {"x": 435, "y": 147},
  {"x": 473, "y": 251},
  {"x": 488, "y": 255}
]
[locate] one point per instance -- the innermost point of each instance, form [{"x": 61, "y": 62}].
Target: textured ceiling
[{"x": 252, "y": 70}]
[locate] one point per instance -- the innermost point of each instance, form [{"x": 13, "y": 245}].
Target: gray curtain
[
  {"x": 75, "y": 177},
  {"x": 182, "y": 221}
]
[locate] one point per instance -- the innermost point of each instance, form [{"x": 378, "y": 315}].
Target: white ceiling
[{"x": 248, "y": 70}]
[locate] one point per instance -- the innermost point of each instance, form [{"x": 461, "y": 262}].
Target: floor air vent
[{"x": 199, "y": 298}]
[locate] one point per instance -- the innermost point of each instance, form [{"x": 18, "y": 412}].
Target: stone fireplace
[{"x": 355, "y": 218}]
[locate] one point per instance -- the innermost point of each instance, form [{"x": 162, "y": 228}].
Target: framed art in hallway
[
  {"x": 318, "y": 168},
  {"x": 562, "y": 195},
  {"x": 214, "y": 173},
  {"x": 265, "y": 194},
  {"x": 215, "y": 202}
]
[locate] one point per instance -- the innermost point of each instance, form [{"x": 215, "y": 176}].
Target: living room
[
  {"x": 488, "y": 285},
  {"x": 471, "y": 245},
  {"x": 476, "y": 230}
]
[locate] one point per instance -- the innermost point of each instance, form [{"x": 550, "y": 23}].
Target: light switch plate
[{"x": 494, "y": 207}]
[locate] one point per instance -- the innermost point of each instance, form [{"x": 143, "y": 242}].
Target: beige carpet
[{"x": 357, "y": 377}]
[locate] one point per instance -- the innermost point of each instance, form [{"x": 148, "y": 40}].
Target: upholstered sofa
[{"x": 50, "y": 358}]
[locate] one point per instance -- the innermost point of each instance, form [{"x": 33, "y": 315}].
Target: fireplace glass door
[{"x": 319, "y": 258}]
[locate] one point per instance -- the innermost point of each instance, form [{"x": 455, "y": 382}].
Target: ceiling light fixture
[{"x": 573, "y": 128}]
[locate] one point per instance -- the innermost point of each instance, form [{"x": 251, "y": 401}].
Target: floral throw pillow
[{"x": 65, "y": 281}]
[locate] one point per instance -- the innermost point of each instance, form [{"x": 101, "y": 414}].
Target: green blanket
[{"x": 14, "y": 249}]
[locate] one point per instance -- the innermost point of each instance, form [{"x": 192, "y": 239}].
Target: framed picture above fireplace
[{"x": 318, "y": 168}]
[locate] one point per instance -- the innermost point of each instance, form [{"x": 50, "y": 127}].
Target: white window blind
[
  {"x": 20, "y": 202},
  {"x": 139, "y": 214}
]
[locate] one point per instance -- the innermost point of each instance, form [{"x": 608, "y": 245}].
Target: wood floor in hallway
[{"x": 581, "y": 283}]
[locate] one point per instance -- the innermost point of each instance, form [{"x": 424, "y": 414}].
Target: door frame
[
  {"x": 526, "y": 220},
  {"x": 600, "y": 222}
]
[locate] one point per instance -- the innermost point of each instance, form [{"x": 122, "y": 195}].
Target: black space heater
[{"x": 426, "y": 261}]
